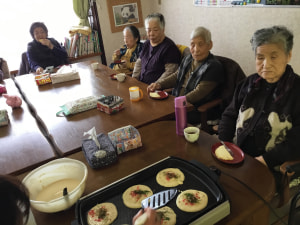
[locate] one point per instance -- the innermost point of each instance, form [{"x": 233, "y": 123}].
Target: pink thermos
[{"x": 180, "y": 114}]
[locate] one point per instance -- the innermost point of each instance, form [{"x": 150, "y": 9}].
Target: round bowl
[
  {"x": 121, "y": 77},
  {"x": 53, "y": 176},
  {"x": 191, "y": 134}
]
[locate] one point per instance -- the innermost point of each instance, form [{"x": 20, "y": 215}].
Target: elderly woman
[
  {"x": 263, "y": 118},
  {"x": 199, "y": 76},
  {"x": 43, "y": 51},
  {"x": 160, "y": 56},
  {"x": 129, "y": 53}
]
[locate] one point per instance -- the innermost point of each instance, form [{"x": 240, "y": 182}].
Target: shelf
[{"x": 72, "y": 59}]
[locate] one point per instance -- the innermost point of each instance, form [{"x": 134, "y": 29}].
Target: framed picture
[{"x": 123, "y": 13}]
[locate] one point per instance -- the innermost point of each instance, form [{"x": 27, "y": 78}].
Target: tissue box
[
  {"x": 110, "y": 104},
  {"x": 43, "y": 79},
  {"x": 59, "y": 78},
  {"x": 77, "y": 106},
  {"x": 125, "y": 138},
  {"x": 3, "y": 117},
  {"x": 98, "y": 158},
  {"x": 65, "y": 73}
]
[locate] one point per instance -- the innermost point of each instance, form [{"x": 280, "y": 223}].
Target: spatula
[
  {"x": 159, "y": 199},
  {"x": 156, "y": 201}
]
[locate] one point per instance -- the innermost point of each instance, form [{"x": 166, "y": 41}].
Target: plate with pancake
[
  {"x": 220, "y": 153},
  {"x": 158, "y": 95}
]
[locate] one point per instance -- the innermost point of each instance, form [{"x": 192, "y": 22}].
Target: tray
[{"x": 196, "y": 177}]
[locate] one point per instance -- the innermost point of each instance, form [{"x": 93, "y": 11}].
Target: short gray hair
[
  {"x": 203, "y": 33},
  {"x": 158, "y": 17},
  {"x": 273, "y": 35}
]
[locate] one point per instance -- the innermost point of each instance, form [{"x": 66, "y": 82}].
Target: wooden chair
[
  {"x": 184, "y": 50},
  {"x": 288, "y": 170},
  {"x": 233, "y": 75}
]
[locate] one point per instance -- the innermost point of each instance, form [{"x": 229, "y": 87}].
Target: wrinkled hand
[
  {"x": 152, "y": 217},
  {"x": 39, "y": 70},
  {"x": 152, "y": 87},
  {"x": 47, "y": 43},
  {"x": 117, "y": 52}
]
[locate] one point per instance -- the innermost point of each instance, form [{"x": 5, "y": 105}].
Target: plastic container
[
  {"x": 51, "y": 172},
  {"x": 180, "y": 114}
]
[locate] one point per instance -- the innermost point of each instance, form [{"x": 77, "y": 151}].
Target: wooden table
[
  {"x": 67, "y": 132},
  {"x": 160, "y": 141},
  {"x": 22, "y": 144}
]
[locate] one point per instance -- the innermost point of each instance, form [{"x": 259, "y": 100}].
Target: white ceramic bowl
[
  {"x": 191, "y": 134},
  {"x": 121, "y": 77},
  {"x": 94, "y": 65},
  {"x": 48, "y": 174}
]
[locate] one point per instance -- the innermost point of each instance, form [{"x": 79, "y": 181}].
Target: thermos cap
[{"x": 180, "y": 101}]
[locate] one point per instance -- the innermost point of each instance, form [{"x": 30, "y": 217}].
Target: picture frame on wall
[{"x": 123, "y": 13}]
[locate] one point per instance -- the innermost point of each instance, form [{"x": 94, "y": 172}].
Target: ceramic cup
[
  {"x": 135, "y": 93},
  {"x": 121, "y": 77},
  {"x": 94, "y": 65},
  {"x": 191, "y": 134}
]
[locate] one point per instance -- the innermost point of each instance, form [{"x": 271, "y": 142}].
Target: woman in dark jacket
[
  {"x": 199, "y": 77},
  {"x": 43, "y": 51},
  {"x": 263, "y": 118}
]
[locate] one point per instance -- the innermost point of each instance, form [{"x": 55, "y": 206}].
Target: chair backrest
[
  {"x": 234, "y": 74},
  {"x": 24, "y": 65},
  {"x": 184, "y": 50},
  {"x": 4, "y": 68}
]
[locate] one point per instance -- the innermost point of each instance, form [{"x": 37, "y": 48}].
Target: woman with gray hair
[
  {"x": 263, "y": 118},
  {"x": 199, "y": 76},
  {"x": 160, "y": 56}
]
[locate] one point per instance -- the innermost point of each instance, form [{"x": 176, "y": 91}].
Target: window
[{"x": 17, "y": 16}]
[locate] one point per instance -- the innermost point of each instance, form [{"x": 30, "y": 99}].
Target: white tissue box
[{"x": 65, "y": 73}]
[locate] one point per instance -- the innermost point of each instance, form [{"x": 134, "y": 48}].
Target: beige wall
[{"x": 231, "y": 27}]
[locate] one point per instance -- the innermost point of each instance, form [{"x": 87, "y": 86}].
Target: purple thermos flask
[{"x": 180, "y": 114}]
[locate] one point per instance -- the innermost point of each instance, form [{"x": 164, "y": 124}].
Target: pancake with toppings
[
  {"x": 192, "y": 200},
  {"x": 102, "y": 214},
  {"x": 167, "y": 215},
  {"x": 170, "y": 177},
  {"x": 134, "y": 195}
]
